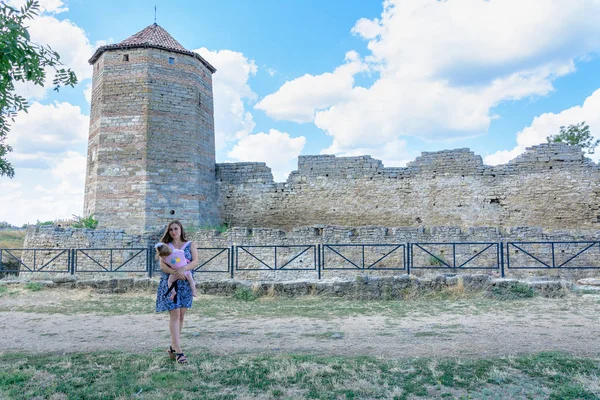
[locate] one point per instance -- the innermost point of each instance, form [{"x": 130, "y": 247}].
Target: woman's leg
[
  {"x": 181, "y": 315},
  {"x": 175, "y": 320}
]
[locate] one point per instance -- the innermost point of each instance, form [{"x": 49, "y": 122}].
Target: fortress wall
[{"x": 551, "y": 185}]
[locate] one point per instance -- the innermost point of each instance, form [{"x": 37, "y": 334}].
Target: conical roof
[{"x": 151, "y": 36}]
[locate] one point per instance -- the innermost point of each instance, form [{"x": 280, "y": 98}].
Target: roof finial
[{"x": 155, "y": 13}]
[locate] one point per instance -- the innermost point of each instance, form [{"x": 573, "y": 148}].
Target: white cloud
[
  {"x": 442, "y": 65},
  {"x": 45, "y": 195},
  {"x": 475, "y": 40},
  {"x": 230, "y": 90},
  {"x": 87, "y": 92},
  {"x": 277, "y": 149},
  {"x": 46, "y": 6},
  {"x": 549, "y": 124},
  {"x": 297, "y": 100},
  {"x": 49, "y": 159},
  {"x": 48, "y": 129}
]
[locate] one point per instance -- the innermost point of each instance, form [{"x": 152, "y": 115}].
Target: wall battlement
[
  {"x": 244, "y": 172},
  {"x": 450, "y": 187},
  {"x": 446, "y": 162}
]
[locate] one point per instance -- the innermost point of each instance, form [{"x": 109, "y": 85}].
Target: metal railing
[
  {"x": 451, "y": 256},
  {"x": 134, "y": 259},
  {"x": 11, "y": 258},
  {"x": 553, "y": 255},
  {"x": 457, "y": 256},
  {"x": 290, "y": 258},
  {"x": 378, "y": 257}
]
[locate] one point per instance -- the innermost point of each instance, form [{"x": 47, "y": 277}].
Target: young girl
[{"x": 174, "y": 258}]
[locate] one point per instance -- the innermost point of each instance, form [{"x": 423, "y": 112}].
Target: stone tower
[{"x": 151, "y": 149}]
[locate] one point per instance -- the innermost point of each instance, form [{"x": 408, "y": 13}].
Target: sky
[{"x": 390, "y": 79}]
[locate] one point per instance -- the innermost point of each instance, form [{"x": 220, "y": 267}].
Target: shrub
[
  {"x": 244, "y": 294},
  {"x": 514, "y": 290},
  {"x": 9, "y": 267},
  {"x": 33, "y": 286},
  {"x": 87, "y": 222},
  {"x": 436, "y": 261}
]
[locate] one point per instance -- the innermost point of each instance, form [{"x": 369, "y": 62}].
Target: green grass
[
  {"x": 78, "y": 302},
  {"x": 12, "y": 239},
  {"x": 152, "y": 376},
  {"x": 244, "y": 294},
  {"x": 33, "y": 286},
  {"x": 515, "y": 290}
]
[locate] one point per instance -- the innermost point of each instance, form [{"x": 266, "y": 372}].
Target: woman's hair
[
  {"x": 162, "y": 249},
  {"x": 166, "y": 238}
]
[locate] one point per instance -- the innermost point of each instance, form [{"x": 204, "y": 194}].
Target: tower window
[
  {"x": 200, "y": 99},
  {"x": 125, "y": 57},
  {"x": 171, "y": 60}
]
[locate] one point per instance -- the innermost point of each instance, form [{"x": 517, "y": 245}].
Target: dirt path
[{"x": 548, "y": 325}]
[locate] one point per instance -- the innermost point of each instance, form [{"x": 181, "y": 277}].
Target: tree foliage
[
  {"x": 22, "y": 61},
  {"x": 576, "y": 135}
]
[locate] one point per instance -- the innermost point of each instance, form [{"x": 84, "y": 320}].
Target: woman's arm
[
  {"x": 165, "y": 268},
  {"x": 194, "y": 262},
  {"x": 179, "y": 273}
]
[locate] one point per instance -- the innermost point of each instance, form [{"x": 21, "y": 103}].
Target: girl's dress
[{"x": 184, "y": 291}]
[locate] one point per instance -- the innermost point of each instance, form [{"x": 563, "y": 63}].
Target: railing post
[
  {"x": 454, "y": 257},
  {"x": 319, "y": 261},
  {"x": 363, "y": 256},
  {"x": 408, "y": 257},
  {"x": 232, "y": 261},
  {"x": 71, "y": 257},
  {"x": 502, "y": 259},
  {"x": 507, "y": 255},
  {"x": 149, "y": 262}
]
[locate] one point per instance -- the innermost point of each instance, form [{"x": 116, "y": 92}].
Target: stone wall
[
  {"x": 401, "y": 287},
  {"x": 551, "y": 185},
  {"x": 151, "y": 145}
]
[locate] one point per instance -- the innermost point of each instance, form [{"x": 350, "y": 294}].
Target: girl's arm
[{"x": 194, "y": 262}]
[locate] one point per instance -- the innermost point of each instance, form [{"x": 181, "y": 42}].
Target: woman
[{"x": 175, "y": 237}]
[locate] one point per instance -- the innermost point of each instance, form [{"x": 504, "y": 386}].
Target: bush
[
  {"x": 87, "y": 222},
  {"x": 9, "y": 267},
  {"x": 513, "y": 290},
  {"x": 33, "y": 286},
  {"x": 244, "y": 294}
]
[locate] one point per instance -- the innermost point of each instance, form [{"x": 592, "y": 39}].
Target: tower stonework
[{"x": 151, "y": 149}]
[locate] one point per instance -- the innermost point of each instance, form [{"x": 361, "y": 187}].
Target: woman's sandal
[
  {"x": 181, "y": 358},
  {"x": 172, "y": 353}
]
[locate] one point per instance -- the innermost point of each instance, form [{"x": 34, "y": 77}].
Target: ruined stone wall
[
  {"x": 151, "y": 146},
  {"x": 551, "y": 185}
]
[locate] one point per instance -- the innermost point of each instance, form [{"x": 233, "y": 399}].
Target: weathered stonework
[
  {"x": 151, "y": 144},
  {"x": 552, "y": 186}
]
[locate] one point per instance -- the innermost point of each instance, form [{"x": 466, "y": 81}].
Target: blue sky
[{"x": 387, "y": 78}]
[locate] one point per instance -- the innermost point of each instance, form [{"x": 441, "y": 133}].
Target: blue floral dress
[{"x": 184, "y": 291}]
